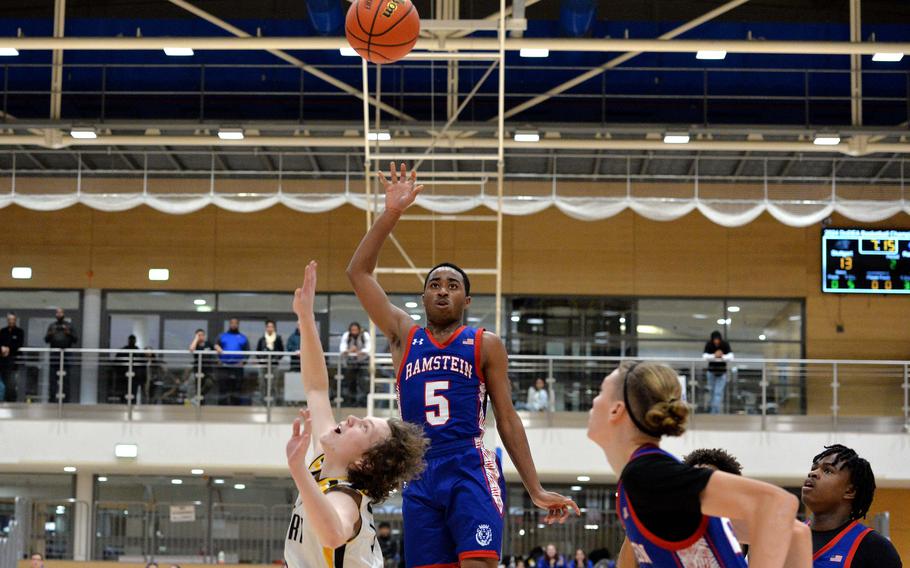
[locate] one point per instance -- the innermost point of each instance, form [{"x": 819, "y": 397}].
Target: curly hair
[
  {"x": 716, "y": 458},
  {"x": 390, "y": 463},
  {"x": 861, "y": 476}
]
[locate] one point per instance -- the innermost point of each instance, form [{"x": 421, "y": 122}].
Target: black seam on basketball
[
  {"x": 357, "y": 17},
  {"x": 373, "y": 25},
  {"x": 355, "y": 36},
  {"x": 371, "y": 53},
  {"x": 415, "y": 38},
  {"x": 392, "y": 27}
]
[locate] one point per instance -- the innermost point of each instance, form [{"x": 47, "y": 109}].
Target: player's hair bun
[{"x": 668, "y": 418}]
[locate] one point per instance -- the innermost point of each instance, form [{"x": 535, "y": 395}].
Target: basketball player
[
  {"x": 716, "y": 459},
  {"x": 358, "y": 463},
  {"x": 676, "y": 515},
  {"x": 453, "y": 512},
  {"x": 838, "y": 493}
]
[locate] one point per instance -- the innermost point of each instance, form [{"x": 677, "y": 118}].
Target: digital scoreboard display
[{"x": 859, "y": 261}]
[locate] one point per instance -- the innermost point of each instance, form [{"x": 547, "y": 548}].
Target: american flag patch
[
  {"x": 836, "y": 558},
  {"x": 468, "y": 341}
]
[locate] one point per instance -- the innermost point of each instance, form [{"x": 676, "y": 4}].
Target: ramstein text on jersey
[{"x": 451, "y": 363}]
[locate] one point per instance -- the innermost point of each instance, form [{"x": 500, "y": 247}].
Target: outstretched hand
[
  {"x": 402, "y": 190},
  {"x": 304, "y": 297},
  {"x": 300, "y": 441},
  {"x": 558, "y": 506}
]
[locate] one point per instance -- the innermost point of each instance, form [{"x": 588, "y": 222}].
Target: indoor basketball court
[{"x": 550, "y": 236}]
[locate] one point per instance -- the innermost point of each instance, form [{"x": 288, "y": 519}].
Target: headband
[{"x": 625, "y": 398}]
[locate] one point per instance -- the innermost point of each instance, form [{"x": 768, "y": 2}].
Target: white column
[
  {"x": 82, "y": 533},
  {"x": 91, "y": 339}
]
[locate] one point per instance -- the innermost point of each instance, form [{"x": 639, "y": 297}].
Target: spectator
[
  {"x": 200, "y": 345},
  {"x": 717, "y": 353},
  {"x": 139, "y": 375},
  {"x": 270, "y": 341},
  {"x": 354, "y": 349},
  {"x": 61, "y": 335},
  {"x": 538, "y": 397},
  {"x": 581, "y": 560},
  {"x": 37, "y": 560},
  {"x": 520, "y": 563},
  {"x": 230, "y": 383},
  {"x": 551, "y": 557},
  {"x": 388, "y": 545},
  {"x": 12, "y": 338},
  {"x": 293, "y": 346}
]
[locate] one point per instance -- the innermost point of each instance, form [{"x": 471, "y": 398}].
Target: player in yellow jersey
[{"x": 354, "y": 464}]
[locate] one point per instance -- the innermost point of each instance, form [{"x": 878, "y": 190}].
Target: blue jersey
[
  {"x": 839, "y": 552},
  {"x": 713, "y": 545},
  {"x": 441, "y": 387}
]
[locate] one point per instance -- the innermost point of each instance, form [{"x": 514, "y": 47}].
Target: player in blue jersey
[
  {"x": 453, "y": 513},
  {"x": 675, "y": 515},
  {"x": 838, "y": 492}
]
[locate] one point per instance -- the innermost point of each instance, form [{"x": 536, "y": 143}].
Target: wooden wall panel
[{"x": 897, "y": 502}]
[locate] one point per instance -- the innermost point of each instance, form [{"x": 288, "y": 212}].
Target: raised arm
[
  {"x": 400, "y": 193},
  {"x": 767, "y": 512},
  {"x": 512, "y": 431},
  {"x": 312, "y": 361}
]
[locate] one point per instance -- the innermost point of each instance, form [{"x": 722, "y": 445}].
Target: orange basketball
[{"x": 382, "y": 31}]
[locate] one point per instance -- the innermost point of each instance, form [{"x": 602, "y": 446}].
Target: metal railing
[{"x": 267, "y": 380}]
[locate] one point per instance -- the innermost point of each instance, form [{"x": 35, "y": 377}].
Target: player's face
[
  {"x": 599, "y": 419},
  {"x": 354, "y": 436},
  {"x": 827, "y": 486},
  {"x": 444, "y": 298}
]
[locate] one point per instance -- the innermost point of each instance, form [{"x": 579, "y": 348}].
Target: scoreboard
[{"x": 859, "y": 261}]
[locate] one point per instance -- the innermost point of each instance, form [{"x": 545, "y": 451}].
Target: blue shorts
[{"x": 454, "y": 510}]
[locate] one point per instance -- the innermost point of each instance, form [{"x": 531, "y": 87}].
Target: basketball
[{"x": 382, "y": 31}]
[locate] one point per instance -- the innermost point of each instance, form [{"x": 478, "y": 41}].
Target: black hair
[
  {"x": 861, "y": 476},
  {"x": 717, "y": 458},
  {"x": 353, "y": 323},
  {"x": 267, "y": 322},
  {"x": 384, "y": 525},
  {"x": 464, "y": 276},
  {"x": 716, "y": 335},
  {"x": 198, "y": 330}
]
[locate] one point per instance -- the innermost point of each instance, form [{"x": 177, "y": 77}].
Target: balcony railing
[{"x": 139, "y": 379}]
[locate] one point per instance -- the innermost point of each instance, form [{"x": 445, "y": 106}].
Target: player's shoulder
[{"x": 876, "y": 550}]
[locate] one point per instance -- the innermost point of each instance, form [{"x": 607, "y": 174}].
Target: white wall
[{"x": 560, "y": 453}]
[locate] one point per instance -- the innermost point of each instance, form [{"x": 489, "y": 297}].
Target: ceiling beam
[{"x": 174, "y": 160}]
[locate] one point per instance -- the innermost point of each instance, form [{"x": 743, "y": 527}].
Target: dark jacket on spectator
[
  {"x": 14, "y": 339},
  {"x": 261, "y": 345},
  {"x": 292, "y": 346},
  {"x": 61, "y": 335}
]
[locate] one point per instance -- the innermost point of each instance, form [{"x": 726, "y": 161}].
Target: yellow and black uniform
[{"x": 302, "y": 548}]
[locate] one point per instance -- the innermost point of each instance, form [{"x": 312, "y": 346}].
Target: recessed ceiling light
[
  {"x": 348, "y": 51},
  {"x": 888, "y": 57},
  {"x": 535, "y": 321},
  {"x": 583, "y": 478},
  {"x": 622, "y": 320},
  {"x": 159, "y": 274},
  {"x": 178, "y": 51},
  {"x": 732, "y": 309},
  {"x": 410, "y": 304},
  {"x": 69, "y": 469},
  {"x": 592, "y": 527},
  {"x": 676, "y": 138},
  {"x": 199, "y": 302},
  {"x": 84, "y": 133},
  {"x": 230, "y": 133},
  {"x": 709, "y": 54},
  {"x": 219, "y": 482},
  {"x": 176, "y": 482},
  {"x": 527, "y": 136},
  {"x": 415, "y": 317},
  {"x": 239, "y": 486},
  {"x": 515, "y": 319},
  {"x": 21, "y": 272},
  {"x": 197, "y": 471},
  {"x": 532, "y": 52},
  {"x": 826, "y": 140},
  {"x": 126, "y": 450},
  {"x": 204, "y": 308},
  {"x": 762, "y": 337},
  {"x": 700, "y": 316},
  {"x": 102, "y": 479},
  {"x": 8, "y": 52},
  {"x": 575, "y": 488},
  {"x": 382, "y": 136}
]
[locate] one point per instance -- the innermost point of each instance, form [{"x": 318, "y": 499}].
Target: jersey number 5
[{"x": 439, "y": 415}]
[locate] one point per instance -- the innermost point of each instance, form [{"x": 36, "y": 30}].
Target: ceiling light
[
  {"x": 204, "y": 308},
  {"x": 178, "y": 51},
  {"x": 592, "y": 527},
  {"x": 219, "y": 482},
  {"x": 575, "y": 488},
  {"x": 732, "y": 309},
  {"x": 535, "y": 321},
  {"x": 22, "y": 272},
  {"x": 348, "y": 52},
  {"x": 530, "y": 52},
  {"x": 410, "y": 304},
  {"x": 583, "y": 478},
  {"x": 197, "y": 471},
  {"x": 415, "y": 317},
  {"x": 176, "y": 482},
  {"x": 381, "y": 136},
  {"x": 826, "y": 140},
  {"x": 622, "y": 320},
  {"x": 8, "y": 52},
  {"x": 649, "y": 329},
  {"x": 521, "y": 532},
  {"x": 84, "y": 133},
  {"x": 762, "y": 337},
  {"x": 676, "y": 138},
  {"x": 527, "y": 136},
  {"x": 102, "y": 479},
  {"x": 709, "y": 54},
  {"x": 795, "y": 318},
  {"x": 515, "y": 319},
  {"x": 721, "y": 321},
  {"x": 199, "y": 302},
  {"x": 700, "y": 316},
  {"x": 69, "y": 469},
  {"x": 126, "y": 450},
  {"x": 230, "y": 133},
  {"x": 886, "y": 57},
  {"x": 239, "y": 486},
  {"x": 159, "y": 274},
  {"x": 60, "y": 510}
]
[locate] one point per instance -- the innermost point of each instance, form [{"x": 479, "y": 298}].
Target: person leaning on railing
[
  {"x": 61, "y": 335},
  {"x": 200, "y": 346},
  {"x": 12, "y": 339}
]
